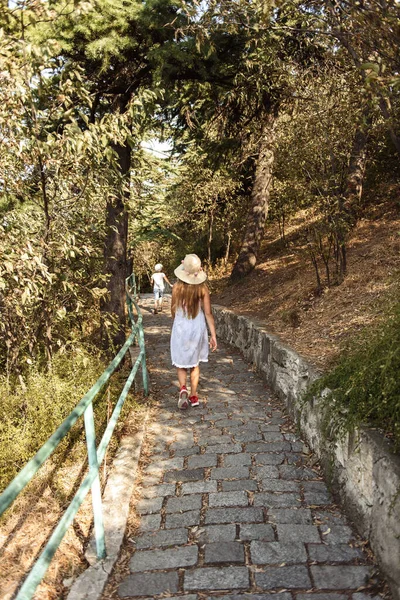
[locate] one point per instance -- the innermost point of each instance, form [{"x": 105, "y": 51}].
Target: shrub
[
  {"x": 365, "y": 383},
  {"x": 29, "y": 416}
]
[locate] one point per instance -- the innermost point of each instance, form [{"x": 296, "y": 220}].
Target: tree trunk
[
  {"x": 254, "y": 233},
  {"x": 356, "y": 170},
  {"x": 115, "y": 256},
  {"x": 349, "y": 202},
  {"x": 228, "y": 246},
  {"x": 210, "y": 236}
]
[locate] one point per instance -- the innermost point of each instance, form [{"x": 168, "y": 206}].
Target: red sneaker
[
  {"x": 194, "y": 401},
  {"x": 183, "y": 398}
]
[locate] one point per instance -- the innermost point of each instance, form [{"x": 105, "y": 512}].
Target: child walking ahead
[
  {"x": 157, "y": 279},
  {"x": 191, "y": 309}
]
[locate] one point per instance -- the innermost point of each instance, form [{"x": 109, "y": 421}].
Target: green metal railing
[{"x": 95, "y": 455}]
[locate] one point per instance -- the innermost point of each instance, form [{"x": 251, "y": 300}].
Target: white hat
[
  {"x": 191, "y": 271},
  {"x": 158, "y": 267}
]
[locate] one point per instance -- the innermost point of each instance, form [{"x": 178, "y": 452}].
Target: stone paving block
[
  {"x": 314, "y": 486},
  {"x": 238, "y": 498},
  {"x": 198, "y": 487},
  {"x": 267, "y": 447},
  {"x": 162, "y": 537},
  {"x": 217, "y": 578},
  {"x": 282, "y": 596},
  {"x": 265, "y": 472},
  {"x": 168, "y": 464},
  {"x": 272, "y": 436},
  {"x": 149, "y": 584},
  {"x": 183, "y": 503},
  {"x": 295, "y": 459},
  {"x": 188, "y": 475},
  {"x": 150, "y": 522},
  {"x": 217, "y": 416},
  {"x": 277, "y": 553},
  {"x": 149, "y": 505},
  {"x": 292, "y": 472},
  {"x": 280, "y": 485},
  {"x": 249, "y": 514},
  {"x": 185, "y": 519},
  {"x": 224, "y": 552},
  {"x": 333, "y": 553},
  {"x": 216, "y": 533},
  {"x": 203, "y": 426},
  {"x": 297, "y": 446},
  {"x": 269, "y": 427},
  {"x": 191, "y": 418},
  {"x": 295, "y": 576},
  {"x": 187, "y": 451},
  {"x": 202, "y": 460},
  {"x": 257, "y": 531},
  {"x": 318, "y": 498},
  {"x": 172, "y": 558},
  {"x": 330, "y": 517},
  {"x": 224, "y": 449},
  {"x": 185, "y": 597},
  {"x": 152, "y": 480},
  {"x": 234, "y": 460},
  {"x": 269, "y": 458},
  {"x": 247, "y": 436},
  {"x": 209, "y": 431},
  {"x": 336, "y": 534},
  {"x": 269, "y": 499},
  {"x": 290, "y": 515},
  {"x": 321, "y": 597},
  {"x": 214, "y": 440},
  {"x": 183, "y": 443},
  {"x": 248, "y": 485},
  {"x": 230, "y": 473},
  {"x": 165, "y": 415},
  {"x": 300, "y": 533},
  {"x": 362, "y": 596},
  {"x": 229, "y": 423},
  {"x": 339, "y": 577},
  {"x": 248, "y": 425}
]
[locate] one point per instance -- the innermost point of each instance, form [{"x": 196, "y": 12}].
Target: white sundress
[{"x": 189, "y": 340}]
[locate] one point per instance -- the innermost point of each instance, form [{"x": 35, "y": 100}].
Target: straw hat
[
  {"x": 191, "y": 271},
  {"x": 158, "y": 267}
]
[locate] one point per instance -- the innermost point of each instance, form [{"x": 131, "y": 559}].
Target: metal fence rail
[{"x": 95, "y": 455}]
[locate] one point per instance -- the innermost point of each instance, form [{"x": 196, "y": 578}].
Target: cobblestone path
[{"x": 230, "y": 508}]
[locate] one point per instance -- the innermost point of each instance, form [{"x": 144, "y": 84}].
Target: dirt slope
[{"x": 281, "y": 290}]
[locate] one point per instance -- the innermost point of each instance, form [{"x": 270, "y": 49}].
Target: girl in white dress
[{"x": 191, "y": 311}]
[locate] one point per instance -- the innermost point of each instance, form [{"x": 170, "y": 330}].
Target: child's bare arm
[
  {"x": 209, "y": 319},
  {"x": 168, "y": 281},
  {"x": 173, "y": 302}
]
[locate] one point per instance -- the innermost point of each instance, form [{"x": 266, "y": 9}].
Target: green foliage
[
  {"x": 32, "y": 409},
  {"x": 364, "y": 387},
  {"x": 31, "y": 412}
]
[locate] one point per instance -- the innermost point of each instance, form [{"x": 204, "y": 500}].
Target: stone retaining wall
[{"x": 361, "y": 469}]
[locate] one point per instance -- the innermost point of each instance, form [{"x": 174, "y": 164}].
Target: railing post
[
  {"x": 96, "y": 491},
  {"x": 144, "y": 368}
]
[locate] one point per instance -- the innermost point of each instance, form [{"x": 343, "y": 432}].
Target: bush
[
  {"x": 365, "y": 384},
  {"x": 29, "y": 416}
]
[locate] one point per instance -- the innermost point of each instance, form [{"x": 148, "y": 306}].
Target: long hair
[{"x": 187, "y": 296}]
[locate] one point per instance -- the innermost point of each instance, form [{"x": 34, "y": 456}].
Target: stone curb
[{"x": 116, "y": 499}]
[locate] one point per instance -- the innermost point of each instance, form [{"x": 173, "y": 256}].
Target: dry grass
[
  {"x": 281, "y": 290},
  {"x": 28, "y": 524}
]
